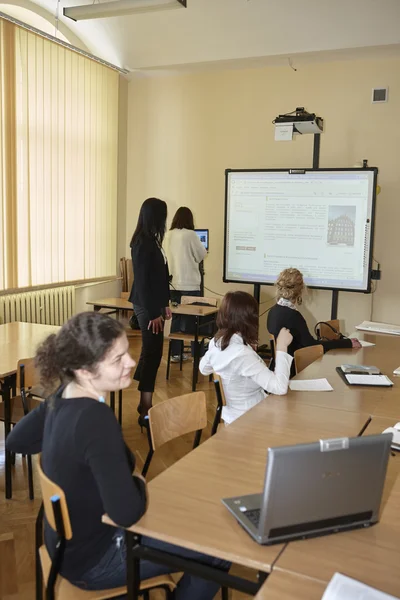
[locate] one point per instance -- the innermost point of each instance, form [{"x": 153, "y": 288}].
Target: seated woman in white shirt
[{"x": 245, "y": 377}]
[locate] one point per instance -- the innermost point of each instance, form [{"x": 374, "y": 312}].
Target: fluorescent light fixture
[{"x": 119, "y": 8}]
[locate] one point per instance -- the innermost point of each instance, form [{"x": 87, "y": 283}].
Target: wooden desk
[
  {"x": 185, "y": 500},
  {"x": 17, "y": 340},
  {"x": 287, "y": 586},
  {"x": 383, "y": 401},
  {"x": 371, "y": 555}
]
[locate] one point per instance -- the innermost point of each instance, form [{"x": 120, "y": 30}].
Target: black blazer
[
  {"x": 283, "y": 316},
  {"x": 150, "y": 288}
]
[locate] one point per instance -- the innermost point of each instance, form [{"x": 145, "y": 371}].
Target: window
[{"x": 58, "y": 158}]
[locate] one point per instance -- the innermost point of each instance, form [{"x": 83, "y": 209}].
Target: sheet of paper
[
  {"x": 363, "y": 343},
  {"x": 310, "y": 385},
  {"x": 341, "y": 587},
  {"x": 369, "y": 379},
  {"x": 283, "y": 132}
]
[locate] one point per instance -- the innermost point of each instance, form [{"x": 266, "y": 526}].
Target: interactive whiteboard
[{"x": 319, "y": 221}]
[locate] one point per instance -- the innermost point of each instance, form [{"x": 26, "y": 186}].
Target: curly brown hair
[
  {"x": 290, "y": 285},
  {"x": 238, "y": 313},
  {"x": 82, "y": 342}
]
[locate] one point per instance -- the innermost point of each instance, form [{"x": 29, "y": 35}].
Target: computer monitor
[{"x": 203, "y": 237}]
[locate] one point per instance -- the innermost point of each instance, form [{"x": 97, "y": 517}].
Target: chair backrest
[
  {"x": 219, "y": 389},
  {"x": 272, "y": 344},
  {"x": 202, "y": 299},
  {"x": 50, "y": 490},
  {"x": 326, "y": 332},
  {"x": 27, "y": 374},
  {"x": 175, "y": 417},
  {"x": 306, "y": 356},
  {"x": 125, "y": 295}
]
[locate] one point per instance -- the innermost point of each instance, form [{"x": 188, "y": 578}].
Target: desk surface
[
  {"x": 287, "y": 586},
  {"x": 380, "y": 401},
  {"x": 371, "y": 555},
  {"x": 181, "y": 309},
  {"x": 20, "y": 340},
  {"x": 185, "y": 501}
]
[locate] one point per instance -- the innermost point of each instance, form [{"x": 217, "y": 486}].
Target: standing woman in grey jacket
[{"x": 185, "y": 252}]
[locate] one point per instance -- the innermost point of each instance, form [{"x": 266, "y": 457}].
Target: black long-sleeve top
[
  {"x": 150, "y": 287},
  {"x": 84, "y": 453},
  {"x": 284, "y": 316}
]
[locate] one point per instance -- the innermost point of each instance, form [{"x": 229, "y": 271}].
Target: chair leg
[
  {"x": 168, "y": 360},
  {"x": 181, "y": 355},
  {"x": 146, "y": 595},
  {"x": 225, "y": 593},
  {"x": 30, "y": 477},
  {"x": 38, "y": 543},
  {"x": 217, "y": 420},
  {"x": 147, "y": 462}
]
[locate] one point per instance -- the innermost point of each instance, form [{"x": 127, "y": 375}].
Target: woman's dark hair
[
  {"x": 81, "y": 343},
  {"x": 238, "y": 313},
  {"x": 151, "y": 221},
  {"x": 183, "y": 219}
]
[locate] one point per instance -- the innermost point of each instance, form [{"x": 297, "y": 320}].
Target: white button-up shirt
[{"x": 245, "y": 376}]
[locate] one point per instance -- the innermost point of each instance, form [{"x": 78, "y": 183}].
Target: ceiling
[{"x": 236, "y": 32}]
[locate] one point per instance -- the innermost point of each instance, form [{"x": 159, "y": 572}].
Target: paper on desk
[
  {"x": 341, "y": 587},
  {"x": 363, "y": 343},
  {"x": 369, "y": 379},
  {"x": 310, "y": 385}
]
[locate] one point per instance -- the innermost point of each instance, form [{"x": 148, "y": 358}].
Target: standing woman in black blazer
[{"x": 150, "y": 296}]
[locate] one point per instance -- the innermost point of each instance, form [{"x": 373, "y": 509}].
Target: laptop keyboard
[{"x": 253, "y": 516}]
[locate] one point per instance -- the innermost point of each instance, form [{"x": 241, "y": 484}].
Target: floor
[{"x": 17, "y": 516}]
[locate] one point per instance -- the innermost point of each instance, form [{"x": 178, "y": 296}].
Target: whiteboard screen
[{"x": 319, "y": 221}]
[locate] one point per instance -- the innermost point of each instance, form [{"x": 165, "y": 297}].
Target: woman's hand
[
  {"x": 168, "y": 313},
  {"x": 283, "y": 340},
  {"x": 355, "y": 343},
  {"x": 156, "y": 325}
]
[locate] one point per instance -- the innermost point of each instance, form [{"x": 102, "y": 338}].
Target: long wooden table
[
  {"x": 288, "y": 586},
  {"x": 17, "y": 341},
  {"x": 185, "y": 501},
  {"x": 199, "y": 313}
]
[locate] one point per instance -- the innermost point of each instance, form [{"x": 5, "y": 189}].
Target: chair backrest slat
[
  {"x": 326, "y": 332},
  {"x": 306, "y": 356},
  {"x": 176, "y": 417},
  {"x": 50, "y": 490},
  {"x": 29, "y": 373}
]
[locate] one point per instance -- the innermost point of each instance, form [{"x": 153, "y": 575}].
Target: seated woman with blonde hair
[
  {"x": 231, "y": 354},
  {"x": 290, "y": 286}
]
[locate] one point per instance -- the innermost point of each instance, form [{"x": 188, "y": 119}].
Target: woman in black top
[
  {"x": 83, "y": 452},
  {"x": 150, "y": 295},
  {"x": 290, "y": 286}
]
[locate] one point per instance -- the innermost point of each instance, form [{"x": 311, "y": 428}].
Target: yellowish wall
[{"x": 184, "y": 131}]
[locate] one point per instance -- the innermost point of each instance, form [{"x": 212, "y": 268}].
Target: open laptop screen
[{"x": 203, "y": 237}]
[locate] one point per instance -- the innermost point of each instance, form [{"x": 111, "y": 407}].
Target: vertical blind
[{"x": 58, "y": 156}]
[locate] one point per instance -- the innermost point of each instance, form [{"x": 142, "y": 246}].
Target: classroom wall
[{"x": 183, "y": 131}]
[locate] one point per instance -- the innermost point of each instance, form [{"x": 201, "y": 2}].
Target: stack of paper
[{"x": 379, "y": 327}]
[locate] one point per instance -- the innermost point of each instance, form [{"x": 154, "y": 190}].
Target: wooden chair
[
  {"x": 58, "y": 588},
  {"x": 306, "y": 356},
  {"x": 187, "y": 339},
  {"x": 329, "y": 333},
  {"x": 30, "y": 395},
  {"x": 173, "y": 418},
  {"x": 221, "y": 401}
]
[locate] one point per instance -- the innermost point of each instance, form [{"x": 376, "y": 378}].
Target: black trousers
[{"x": 151, "y": 353}]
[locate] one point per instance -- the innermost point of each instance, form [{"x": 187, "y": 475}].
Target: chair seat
[
  {"x": 64, "y": 590},
  {"x": 17, "y": 409}
]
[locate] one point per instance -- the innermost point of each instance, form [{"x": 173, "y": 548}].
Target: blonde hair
[{"x": 289, "y": 285}]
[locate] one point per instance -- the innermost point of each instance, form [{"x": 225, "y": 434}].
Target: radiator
[{"x": 51, "y": 307}]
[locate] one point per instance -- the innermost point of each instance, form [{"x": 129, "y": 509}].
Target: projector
[{"x": 303, "y": 122}]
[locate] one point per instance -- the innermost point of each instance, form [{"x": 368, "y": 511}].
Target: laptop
[
  {"x": 203, "y": 237},
  {"x": 315, "y": 489}
]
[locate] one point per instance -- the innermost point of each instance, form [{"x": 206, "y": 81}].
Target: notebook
[
  {"x": 357, "y": 379},
  {"x": 342, "y": 587}
]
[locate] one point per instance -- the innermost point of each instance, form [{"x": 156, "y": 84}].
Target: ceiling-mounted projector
[{"x": 303, "y": 122}]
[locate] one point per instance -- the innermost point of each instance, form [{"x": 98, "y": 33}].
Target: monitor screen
[
  {"x": 203, "y": 237},
  {"x": 319, "y": 221}
]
